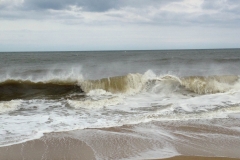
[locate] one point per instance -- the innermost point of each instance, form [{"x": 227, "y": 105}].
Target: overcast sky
[{"x": 76, "y": 25}]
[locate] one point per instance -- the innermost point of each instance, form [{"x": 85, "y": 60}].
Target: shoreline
[
  {"x": 198, "y": 158},
  {"x": 60, "y": 147},
  {"x": 189, "y": 140}
]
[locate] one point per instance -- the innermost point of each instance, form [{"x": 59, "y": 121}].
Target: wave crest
[
  {"x": 135, "y": 83},
  {"x": 131, "y": 83},
  {"x": 210, "y": 84}
]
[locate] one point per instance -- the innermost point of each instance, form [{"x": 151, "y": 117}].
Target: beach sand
[
  {"x": 48, "y": 147},
  {"x": 58, "y": 147},
  {"x": 199, "y": 158},
  {"x": 123, "y": 142}
]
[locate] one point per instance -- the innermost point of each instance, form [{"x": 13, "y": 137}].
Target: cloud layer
[
  {"x": 178, "y": 12},
  {"x": 196, "y": 22}
]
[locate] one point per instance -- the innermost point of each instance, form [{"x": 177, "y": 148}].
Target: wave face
[
  {"x": 53, "y": 92},
  {"x": 121, "y": 84},
  {"x": 12, "y": 89}
]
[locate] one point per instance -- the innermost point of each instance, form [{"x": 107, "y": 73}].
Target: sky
[{"x": 83, "y": 25}]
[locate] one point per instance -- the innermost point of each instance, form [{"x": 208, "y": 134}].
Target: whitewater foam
[
  {"x": 95, "y": 104},
  {"x": 7, "y": 106},
  {"x": 210, "y": 84},
  {"x": 99, "y": 92}
]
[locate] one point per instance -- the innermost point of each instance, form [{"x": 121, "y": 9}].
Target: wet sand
[
  {"x": 51, "y": 147},
  {"x": 199, "y": 158},
  {"x": 58, "y": 147},
  {"x": 189, "y": 139}
]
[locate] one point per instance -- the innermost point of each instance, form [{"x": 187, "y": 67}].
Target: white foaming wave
[
  {"x": 133, "y": 84},
  {"x": 198, "y": 85},
  {"x": 232, "y": 112},
  {"x": 91, "y": 118},
  {"x": 8, "y": 106},
  {"x": 211, "y": 84},
  {"x": 235, "y": 87},
  {"x": 163, "y": 85},
  {"x": 175, "y": 107},
  {"x": 99, "y": 92},
  {"x": 95, "y": 104}
]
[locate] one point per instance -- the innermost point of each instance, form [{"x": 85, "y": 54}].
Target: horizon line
[{"x": 118, "y": 50}]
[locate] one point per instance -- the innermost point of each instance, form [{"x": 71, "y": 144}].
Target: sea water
[{"x": 43, "y": 92}]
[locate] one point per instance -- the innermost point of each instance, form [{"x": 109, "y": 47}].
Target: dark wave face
[{"x": 10, "y": 90}]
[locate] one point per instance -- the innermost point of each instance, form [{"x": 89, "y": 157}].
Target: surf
[
  {"x": 129, "y": 84},
  {"x": 136, "y": 83},
  {"x": 210, "y": 84}
]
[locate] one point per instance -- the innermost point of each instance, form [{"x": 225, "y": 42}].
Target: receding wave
[{"x": 17, "y": 89}]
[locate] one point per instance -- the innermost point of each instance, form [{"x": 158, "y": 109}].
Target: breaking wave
[
  {"x": 210, "y": 84},
  {"x": 129, "y": 84},
  {"x": 135, "y": 83}
]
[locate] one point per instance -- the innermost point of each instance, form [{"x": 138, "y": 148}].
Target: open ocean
[{"x": 142, "y": 92}]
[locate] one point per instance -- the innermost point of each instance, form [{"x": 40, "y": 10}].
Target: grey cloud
[
  {"x": 210, "y": 4},
  {"x": 43, "y": 4},
  {"x": 221, "y": 5},
  {"x": 91, "y": 5},
  {"x": 227, "y": 12},
  {"x": 88, "y": 5},
  {"x": 35, "y": 9},
  {"x": 146, "y": 3},
  {"x": 99, "y": 5},
  {"x": 39, "y": 9}
]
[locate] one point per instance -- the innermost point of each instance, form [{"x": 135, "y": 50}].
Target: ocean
[{"x": 125, "y": 104}]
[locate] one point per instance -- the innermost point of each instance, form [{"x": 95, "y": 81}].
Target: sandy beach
[
  {"x": 124, "y": 143},
  {"x": 199, "y": 158},
  {"x": 59, "y": 147}
]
